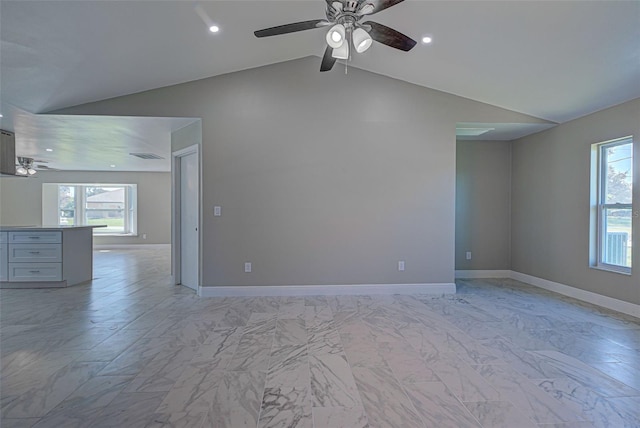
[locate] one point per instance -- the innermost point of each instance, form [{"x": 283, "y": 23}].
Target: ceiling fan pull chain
[{"x": 350, "y": 41}]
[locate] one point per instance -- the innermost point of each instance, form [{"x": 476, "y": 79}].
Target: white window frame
[
  {"x": 601, "y": 206},
  {"x": 131, "y": 197}
]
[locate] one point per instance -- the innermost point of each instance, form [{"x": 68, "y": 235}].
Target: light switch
[
  {"x": 401, "y": 265},
  {"x": 217, "y": 211},
  {"x": 247, "y": 267}
]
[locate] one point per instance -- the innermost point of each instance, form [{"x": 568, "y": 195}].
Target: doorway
[{"x": 186, "y": 217}]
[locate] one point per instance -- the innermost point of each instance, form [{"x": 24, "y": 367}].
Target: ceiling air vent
[{"x": 146, "y": 155}]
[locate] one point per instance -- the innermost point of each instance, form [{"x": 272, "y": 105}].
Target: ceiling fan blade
[
  {"x": 327, "y": 60},
  {"x": 46, "y": 168},
  {"x": 390, "y": 37},
  {"x": 292, "y": 28},
  {"x": 379, "y": 5}
]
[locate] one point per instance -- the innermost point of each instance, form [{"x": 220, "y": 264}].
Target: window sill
[{"x": 613, "y": 269}]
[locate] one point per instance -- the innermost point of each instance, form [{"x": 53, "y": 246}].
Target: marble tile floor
[{"x": 131, "y": 350}]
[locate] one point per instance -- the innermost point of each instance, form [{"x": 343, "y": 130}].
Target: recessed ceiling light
[
  {"x": 427, "y": 39},
  {"x": 214, "y": 28},
  {"x": 112, "y": 166},
  {"x": 48, "y": 150},
  {"x": 1, "y": 115}
]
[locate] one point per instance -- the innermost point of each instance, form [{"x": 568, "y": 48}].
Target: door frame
[{"x": 176, "y": 242}]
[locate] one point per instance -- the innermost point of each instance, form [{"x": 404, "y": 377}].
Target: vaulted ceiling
[{"x": 556, "y": 60}]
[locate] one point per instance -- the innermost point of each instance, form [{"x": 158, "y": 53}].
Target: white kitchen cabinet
[
  {"x": 33, "y": 272},
  {"x": 35, "y": 236},
  {"x": 35, "y": 256},
  {"x": 38, "y": 257},
  {"x": 4, "y": 256},
  {"x": 35, "y": 253}
]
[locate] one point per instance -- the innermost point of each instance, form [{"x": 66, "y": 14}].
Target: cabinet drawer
[
  {"x": 27, "y": 272},
  {"x": 38, "y": 253},
  {"x": 4, "y": 257},
  {"x": 52, "y": 237}
]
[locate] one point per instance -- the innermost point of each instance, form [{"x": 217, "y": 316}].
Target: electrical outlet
[
  {"x": 401, "y": 265},
  {"x": 217, "y": 211},
  {"x": 247, "y": 267},
  {"x": 468, "y": 255},
  {"x": 144, "y": 236}
]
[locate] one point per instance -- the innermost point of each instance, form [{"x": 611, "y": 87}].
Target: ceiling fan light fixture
[
  {"x": 336, "y": 35},
  {"x": 24, "y": 167},
  {"x": 341, "y": 52},
  {"x": 361, "y": 40}
]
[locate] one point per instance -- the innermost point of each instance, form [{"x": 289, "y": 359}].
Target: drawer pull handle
[
  {"x": 34, "y": 237},
  {"x": 34, "y": 271},
  {"x": 34, "y": 252}
]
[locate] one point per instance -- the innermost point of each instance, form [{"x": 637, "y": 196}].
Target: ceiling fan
[
  {"x": 26, "y": 168},
  {"x": 347, "y": 30}
]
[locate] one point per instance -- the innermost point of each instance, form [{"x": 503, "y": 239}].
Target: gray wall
[
  {"x": 483, "y": 205},
  {"x": 21, "y": 202},
  {"x": 323, "y": 178},
  {"x": 16, "y": 208},
  {"x": 187, "y": 136},
  {"x": 551, "y": 201}
]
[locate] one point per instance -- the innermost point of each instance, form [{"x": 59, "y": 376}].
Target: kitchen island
[{"x": 45, "y": 256}]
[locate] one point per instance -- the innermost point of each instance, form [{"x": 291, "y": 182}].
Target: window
[
  {"x": 113, "y": 205},
  {"x": 614, "y": 210}
]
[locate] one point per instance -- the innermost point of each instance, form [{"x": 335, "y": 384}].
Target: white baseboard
[
  {"x": 586, "y": 296},
  {"x": 128, "y": 246},
  {"x": 566, "y": 290},
  {"x": 469, "y": 274},
  {"x": 326, "y": 290}
]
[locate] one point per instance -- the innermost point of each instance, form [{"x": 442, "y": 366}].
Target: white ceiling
[
  {"x": 90, "y": 143},
  {"x": 556, "y": 60}
]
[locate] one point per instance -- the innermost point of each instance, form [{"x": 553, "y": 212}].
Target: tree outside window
[{"x": 615, "y": 198}]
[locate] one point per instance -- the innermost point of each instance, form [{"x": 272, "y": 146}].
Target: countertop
[{"x": 46, "y": 228}]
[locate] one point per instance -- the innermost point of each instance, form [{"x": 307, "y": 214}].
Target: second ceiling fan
[{"x": 347, "y": 31}]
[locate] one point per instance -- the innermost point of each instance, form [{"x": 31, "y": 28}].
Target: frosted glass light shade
[
  {"x": 336, "y": 36},
  {"x": 341, "y": 52},
  {"x": 361, "y": 40}
]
